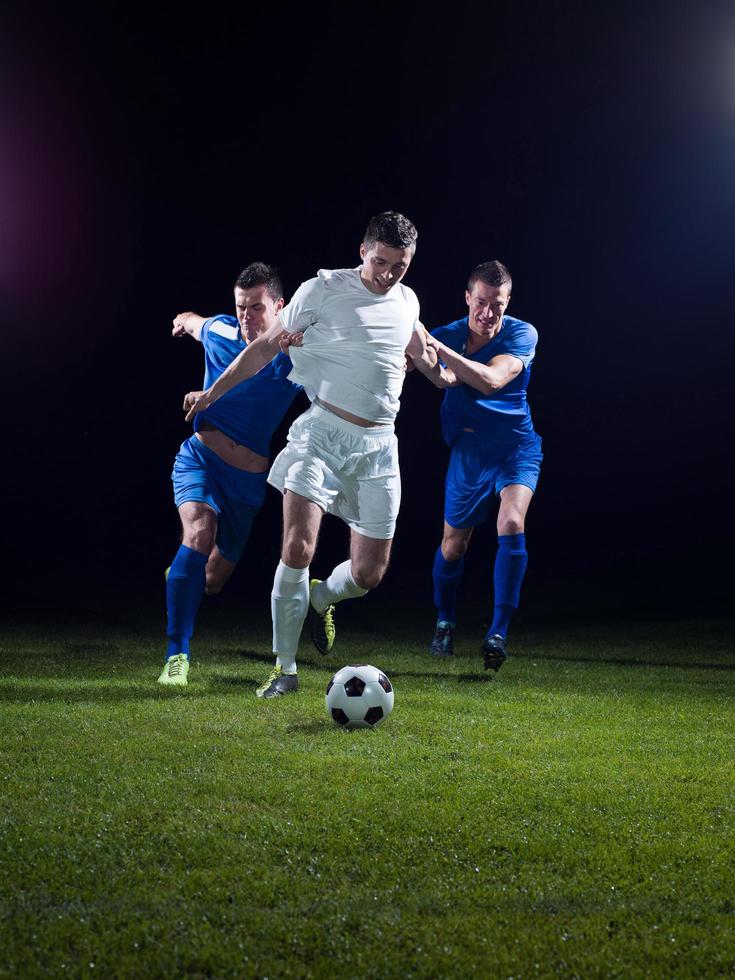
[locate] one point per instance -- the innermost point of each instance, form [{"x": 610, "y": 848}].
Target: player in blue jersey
[
  {"x": 219, "y": 474},
  {"x": 495, "y": 451}
]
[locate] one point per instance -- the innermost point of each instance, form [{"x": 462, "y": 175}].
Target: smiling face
[
  {"x": 256, "y": 311},
  {"x": 383, "y": 266},
  {"x": 487, "y": 304}
]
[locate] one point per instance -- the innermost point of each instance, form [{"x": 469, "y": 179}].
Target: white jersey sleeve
[{"x": 305, "y": 305}]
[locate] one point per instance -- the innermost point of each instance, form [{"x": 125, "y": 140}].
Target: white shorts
[{"x": 345, "y": 469}]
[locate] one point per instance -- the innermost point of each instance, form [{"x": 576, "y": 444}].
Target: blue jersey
[
  {"x": 251, "y": 411},
  {"x": 503, "y": 418}
]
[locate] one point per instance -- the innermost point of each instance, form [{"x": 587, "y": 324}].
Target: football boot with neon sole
[
  {"x": 493, "y": 652},
  {"x": 175, "y": 671},
  {"x": 278, "y": 684},
  {"x": 442, "y": 642},
  {"x": 321, "y": 624}
]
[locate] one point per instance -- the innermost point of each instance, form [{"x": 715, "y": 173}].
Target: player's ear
[
  {"x": 363, "y": 250},
  {"x": 279, "y": 304},
  {"x": 467, "y": 296}
]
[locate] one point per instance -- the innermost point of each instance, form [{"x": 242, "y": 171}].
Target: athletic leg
[
  {"x": 185, "y": 585},
  {"x": 365, "y": 568},
  {"x": 512, "y": 558},
  {"x": 290, "y": 595},
  {"x": 447, "y": 574},
  {"x": 448, "y": 569},
  {"x": 341, "y": 584}
]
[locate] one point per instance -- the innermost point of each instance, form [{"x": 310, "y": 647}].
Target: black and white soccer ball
[{"x": 359, "y": 696}]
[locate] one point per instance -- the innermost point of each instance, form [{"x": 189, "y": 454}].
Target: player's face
[
  {"x": 383, "y": 266},
  {"x": 487, "y": 304},
  {"x": 256, "y": 311}
]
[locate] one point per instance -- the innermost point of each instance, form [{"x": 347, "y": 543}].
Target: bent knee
[
  {"x": 455, "y": 548},
  {"x": 512, "y": 524},
  {"x": 297, "y": 552},
  {"x": 200, "y": 538},
  {"x": 368, "y": 578}
]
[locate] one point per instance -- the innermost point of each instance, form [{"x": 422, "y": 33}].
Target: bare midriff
[
  {"x": 347, "y": 416},
  {"x": 232, "y": 452}
]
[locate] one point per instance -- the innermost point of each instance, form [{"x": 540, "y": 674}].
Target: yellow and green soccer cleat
[
  {"x": 277, "y": 684},
  {"x": 176, "y": 670},
  {"x": 321, "y": 624}
]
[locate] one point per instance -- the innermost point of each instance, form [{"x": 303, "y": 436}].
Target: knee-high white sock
[
  {"x": 289, "y": 605},
  {"x": 340, "y": 585}
]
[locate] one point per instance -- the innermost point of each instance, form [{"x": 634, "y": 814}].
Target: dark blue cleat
[{"x": 493, "y": 652}]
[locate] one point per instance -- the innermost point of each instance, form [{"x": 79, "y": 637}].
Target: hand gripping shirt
[
  {"x": 250, "y": 412},
  {"x": 504, "y": 417},
  {"x": 354, "y": 342}
]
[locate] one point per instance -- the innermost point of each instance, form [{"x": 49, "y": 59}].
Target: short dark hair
[
  {"x": 392, "y": 229},
  {"x": 492, "y": 273},
  {"x": 261, "y": 274}
]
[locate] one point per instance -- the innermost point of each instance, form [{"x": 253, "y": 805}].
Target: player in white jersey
[{"x": 341, "y": 457}]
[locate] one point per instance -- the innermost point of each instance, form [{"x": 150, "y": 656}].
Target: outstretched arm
[
  {"x": 247, "y": 363},
  {"x": 190, "y": 323},
  {"x": 485, "y": 378},
  {"x": 423, "y": 357}
]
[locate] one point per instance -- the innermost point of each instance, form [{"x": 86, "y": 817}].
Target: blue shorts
[
  {"x": 475, "y": 478},
  {"x": 234, "y": 495}
]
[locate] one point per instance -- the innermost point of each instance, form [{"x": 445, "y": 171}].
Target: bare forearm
[
  {"x": 423, "y": 357},
  {"x": 188, "y": 323},
  {"x": 437, "y": 373},
  {"x": 193, "y": 324},
  {"x": 246, "y": 364},
  {"x": 477, "y": 376}
]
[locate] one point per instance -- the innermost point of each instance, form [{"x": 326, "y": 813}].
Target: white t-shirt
[{"x": 354, "y": 342}]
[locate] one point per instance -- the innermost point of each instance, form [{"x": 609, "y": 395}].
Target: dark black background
[{"x": 147, "y": 157}]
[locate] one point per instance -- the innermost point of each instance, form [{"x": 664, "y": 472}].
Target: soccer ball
[{"x": 359, "y": 696}]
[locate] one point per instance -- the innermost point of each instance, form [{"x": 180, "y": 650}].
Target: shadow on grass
[
  {"x": 312, "y": 727},
  {"x": 80, "y": 661},
  {"x": 263, "y": 658},
  {"x": 477, "y": 678},
  {"x": 24, "y": 693},
  {"x": 319, "y": 663},
  {"x": 244, "y": 682},
  {"x": 93, "y": 685},
  {"x": 27, "y": 693}
]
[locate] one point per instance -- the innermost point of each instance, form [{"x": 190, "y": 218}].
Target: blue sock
[
  {"x": 184, "y": 591},
  {"x": 447, "y": 576},
  {"x": 510, "y": 567}
]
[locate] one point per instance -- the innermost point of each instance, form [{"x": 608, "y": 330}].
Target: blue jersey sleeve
[
  {"x": 520, "y": 340},
  {"x": 221, "y": 325}
]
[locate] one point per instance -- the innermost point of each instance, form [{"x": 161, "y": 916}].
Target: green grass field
[{"x": 571, "y": 816}]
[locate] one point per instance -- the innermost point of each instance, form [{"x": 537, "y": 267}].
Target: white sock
[
  {"x": 287, "y": 664},
  {"x": 340, "y": 585},
  {"x": 289, "y": 605}
]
